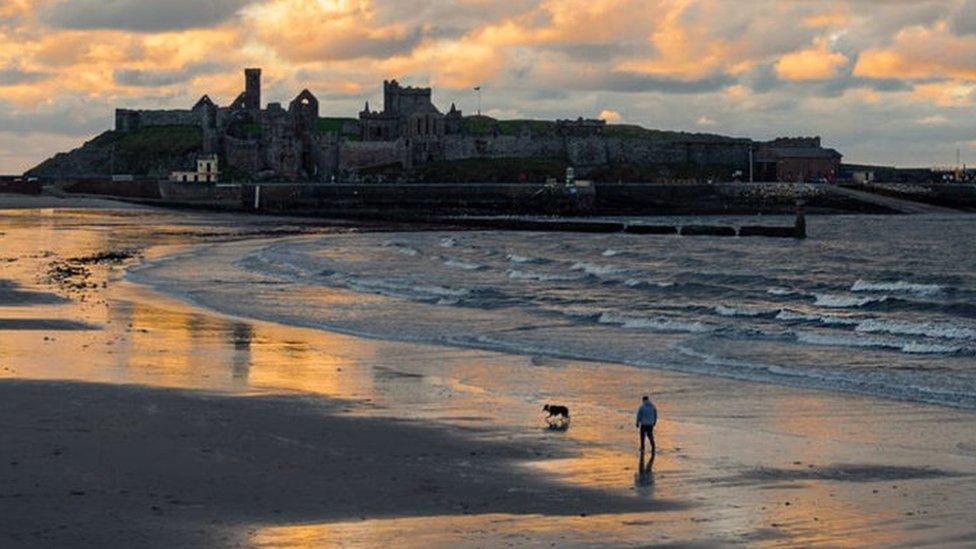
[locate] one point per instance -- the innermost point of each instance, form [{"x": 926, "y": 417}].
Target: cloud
[
  {"x": 161, "y": 78},
  {"x": 610, "y": 116},
  {"x": 872, "y": 76},
  {"x": 303, "y": 31},
  {"x": 817, "y": 63},
  {"x": 138, "y": 15},
  {"x": 921, "y": 52},
  {"x": 12, "y": 76},
  {"x": 963, "y": 20}
]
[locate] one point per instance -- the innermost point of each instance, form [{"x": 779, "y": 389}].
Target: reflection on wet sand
[{"x": 710, "y": 432}]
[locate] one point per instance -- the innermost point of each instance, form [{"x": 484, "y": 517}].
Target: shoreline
[{"x": 835, "y": 458}]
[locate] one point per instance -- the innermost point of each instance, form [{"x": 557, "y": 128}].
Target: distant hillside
[{"x": 152, "y": 151}]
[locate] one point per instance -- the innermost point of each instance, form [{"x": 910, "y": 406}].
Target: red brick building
[{"x": 797, "y": 164}]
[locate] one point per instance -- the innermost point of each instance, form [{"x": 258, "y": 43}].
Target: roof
[{"x": 798, "y": 152}]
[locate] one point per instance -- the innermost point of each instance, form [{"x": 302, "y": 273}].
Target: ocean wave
[
  {"x": 911, "y": 347},
  {"x": 839, "y": 340},
  {"x": 404, "y": 290},
  {"x": 898, "y": 286},
  {"x": 448, "y": 242},
  {"x": 917, "y": 348},
  {"x": 656, "y": 324},
  {"x": 789, "y": 315},
  {"x": 596, "y": 270},
  {"x": 464, "y": 265},
  {"x": 837, "y": 301},
  {"x": 610, "y": 253},
  {"x": 515, "y": 274},
  {"x": 516, "y": 258},
  {"x": 636, "y": 283},
  {"x": 724, "y": 310},
  {"x": 927, "y": 329},
  {"x": 778, "y": 290}
]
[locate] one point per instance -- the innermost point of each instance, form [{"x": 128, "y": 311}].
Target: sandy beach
[{"x": 135, "y": 418}]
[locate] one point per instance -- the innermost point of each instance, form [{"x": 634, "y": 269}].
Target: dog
[{"x": 558, "y": 418}]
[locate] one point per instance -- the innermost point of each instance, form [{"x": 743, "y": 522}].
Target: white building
[{"x": 206, "y": 171}]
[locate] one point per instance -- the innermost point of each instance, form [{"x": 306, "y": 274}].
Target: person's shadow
[{"x": 645, "y": 476}]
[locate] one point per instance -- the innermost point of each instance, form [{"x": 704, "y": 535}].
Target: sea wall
[{"x": 950, "y": 195}]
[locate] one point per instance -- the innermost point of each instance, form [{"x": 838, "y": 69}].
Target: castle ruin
[{"x": 297, "y": 144}]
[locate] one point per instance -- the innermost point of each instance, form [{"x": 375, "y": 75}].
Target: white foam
[
  {"x": 610, "y": 253},
  {"x": 830, "y": 320},
  {"x": 635, "y": 282},
  {"x": 836, "y": 340},
  {"x": 897, "y": 286},
  {"x": 408, "y": 291},
  {"x": 596, "y": 270},
  {"x": 465, "y": 265},
  {"x": 515, "y": 274},
  {"x": 836, "y": 301},
  {"x": 927, "y": 329},
  {"x": 656, "y": 324},
  {"x": 448, "y": 242},
  {"x": 928, "y": 348},
  {"x": 515, "y": 258},
  {"x": 781, "y": 291},
  {"x": 732, "y": 311}
]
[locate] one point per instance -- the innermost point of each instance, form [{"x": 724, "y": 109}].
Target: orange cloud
[
  {"x": 921, "y": 52},
  {"x": 946, "y": 94},
  {"x": 610, "y": 116},
  {"x": 818, "y": 63},
  {"x": 827, "y": 19}
]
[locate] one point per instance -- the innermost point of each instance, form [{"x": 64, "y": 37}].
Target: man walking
[{"x": 646, "y": 419}]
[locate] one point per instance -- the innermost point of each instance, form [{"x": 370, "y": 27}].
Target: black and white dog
[{"x": 558, "y": 417}]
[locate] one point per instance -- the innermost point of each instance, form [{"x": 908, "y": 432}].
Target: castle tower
[{"x": 252, "y": 89}]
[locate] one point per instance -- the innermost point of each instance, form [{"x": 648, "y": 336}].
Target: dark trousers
[{"x": 647, "y": 431}]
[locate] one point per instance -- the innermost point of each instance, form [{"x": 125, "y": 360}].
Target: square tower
[{"x": 252, "y": 89}]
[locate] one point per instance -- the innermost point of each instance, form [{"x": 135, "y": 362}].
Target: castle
[{"x": 297, "y": 144}]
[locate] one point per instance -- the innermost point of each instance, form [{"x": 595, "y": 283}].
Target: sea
[{"x": 873, "y": 305}]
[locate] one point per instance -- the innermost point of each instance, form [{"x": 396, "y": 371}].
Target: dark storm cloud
[
  {"x": 13, "y": 76},
  {"x": 620, "y": 81},
  {"x": 602, "y": 52},
  {"x": 154, "y": 78},
  {"x": 963, "y": 20},
  {"x": 763, "y": 79},
  {"x": 139, "y": 15}
]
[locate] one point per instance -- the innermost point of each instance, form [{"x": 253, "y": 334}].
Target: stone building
[
  {"x": 294, "y": 143},
  {"x": 207, "y": 171},
  {"x": 408, "y": 112},
  {"x": 796, "y": 160}
]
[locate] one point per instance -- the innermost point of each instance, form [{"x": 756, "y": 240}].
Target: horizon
[{"x": 885, "y": 83}]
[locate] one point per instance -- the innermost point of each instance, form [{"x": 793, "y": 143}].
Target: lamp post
[{"x": 478, "y": 89}]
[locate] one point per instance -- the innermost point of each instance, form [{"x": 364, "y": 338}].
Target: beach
[{"x": 138, "y": 408}]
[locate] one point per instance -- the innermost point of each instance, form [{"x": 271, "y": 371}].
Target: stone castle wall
[{"x": 129, "y": 120}]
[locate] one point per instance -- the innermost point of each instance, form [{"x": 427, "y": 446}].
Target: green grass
[
  {"x": 633, "y": 131},
  {"x": 160, "y": 140},
  {"x": 335, "y": 125},
  {"x": 486, "y": 125}
]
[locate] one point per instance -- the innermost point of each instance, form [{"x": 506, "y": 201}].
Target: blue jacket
[{"x": 647, "y": 414}]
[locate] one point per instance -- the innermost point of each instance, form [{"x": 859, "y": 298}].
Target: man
[{"x": 646, "y": 419}]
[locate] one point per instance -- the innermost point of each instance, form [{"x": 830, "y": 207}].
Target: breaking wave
[
  {"x": 836, "y": 301},
  {"x": 899, "y": 286},
  {"x": 655, "y": 324}
]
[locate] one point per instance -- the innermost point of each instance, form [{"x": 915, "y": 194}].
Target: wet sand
[{"x": 145, "y": 420}]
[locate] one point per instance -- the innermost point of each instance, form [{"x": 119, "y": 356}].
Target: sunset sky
[{"x": 883, "y": 81}]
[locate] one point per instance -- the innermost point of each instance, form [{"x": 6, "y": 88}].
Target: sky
[{"x": 883, "y": 81}]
